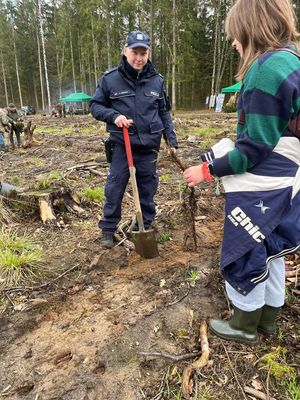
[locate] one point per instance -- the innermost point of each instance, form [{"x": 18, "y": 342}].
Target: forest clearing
[{"x": 95, "y": 324}]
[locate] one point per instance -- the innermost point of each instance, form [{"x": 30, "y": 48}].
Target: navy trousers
[{"x": 118, "y": 176}]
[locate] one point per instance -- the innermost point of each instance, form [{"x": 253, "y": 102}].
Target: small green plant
[
  {"x": 164, "y": 237},
  {"x": 96, "y": 194},
  {"x": 165, "y": 178},
  {"x": 289, "y": 294},
  {"x": 172, "y": 385},
  {"x": 292, "y": 387},
  {"x": 43, "y": 184},
  {"x": 22, "y": 259},
  {"x": 280, "y": 335},
  {"x": 55, "y": 175},
  {"x": 193, "y": 277}
]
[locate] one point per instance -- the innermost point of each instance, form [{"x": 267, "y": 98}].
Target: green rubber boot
[
  {"x": 267, "y": 322},
  {"x": 242, "y": 326}
]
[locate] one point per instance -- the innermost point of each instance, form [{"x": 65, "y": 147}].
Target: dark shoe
[
  {"x": 267, "y": 322},
  {"x": 241, "y": 327},
  {"x": 107, "y": 240}
]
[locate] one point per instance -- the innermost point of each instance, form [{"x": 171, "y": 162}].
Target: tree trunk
[
  {"x": 44, "y": 52},
  {"x": 4, "y": 78},
  {"x": 40, "y": 70},
  {"x": 94, "y": 52},
  {"x": 213, "y": 78},
  {"x": 108, "y": 42},
  {"x": 174, "y": 58},
  {"x": 35, "y": 93},
  {"x": 17, "y": 67},
  {"x": 72, "y": 59}
]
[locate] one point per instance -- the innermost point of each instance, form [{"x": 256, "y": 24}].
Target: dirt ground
[{"x": 77, "y": 334}]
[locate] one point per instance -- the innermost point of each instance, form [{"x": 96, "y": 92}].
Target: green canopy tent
[
  {"x": 76, "y": 97},
  {"x": 232, "y": 89}
]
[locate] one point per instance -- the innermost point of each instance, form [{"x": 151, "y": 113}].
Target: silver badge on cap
[{"x": 140, "y": 36}]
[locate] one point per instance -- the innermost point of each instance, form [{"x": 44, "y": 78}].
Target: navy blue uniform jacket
[{"x": 143, "y": 100}]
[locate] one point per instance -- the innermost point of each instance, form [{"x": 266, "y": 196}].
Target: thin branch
[
  {"x": 180, "y": 299},
  {"x": 25, "y": 288},
  {"x": 256, "y": 393},
  {"x": 233, "y": 371},
  {"x": 181, "y": 357}
]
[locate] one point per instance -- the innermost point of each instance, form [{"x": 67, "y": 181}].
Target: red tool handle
[{"x": 128, "y": 147}]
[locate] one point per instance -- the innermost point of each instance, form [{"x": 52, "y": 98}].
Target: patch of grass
[
  {"x": 5, "y": 214},
  {"x": 35, "y": 162},
  {"x": 64, "y": 131},
  {"x": 22, "y": 260},
  {"x": 292, "y": 387},
  {"x": 91, "y": 130},
  {"x": 94, "y": 194},
  {"x": 205, "y": 131},
  {"x": 164, "y": 237},
  {"x": 16, "y": 180},
  {"x": 55, "y": 175},
  {"x": 276, "y": 363},
  {"x": 172, "y": 386},
  {"x": 45, "y": 129},
  {"x": 42, "y": 184},
  {"x": 91, "y": 178}
]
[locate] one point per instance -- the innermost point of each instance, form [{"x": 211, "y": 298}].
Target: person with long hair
[{"x": 260, "y": 170}]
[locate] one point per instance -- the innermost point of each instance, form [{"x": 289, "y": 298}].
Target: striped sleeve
[{"x": 269, "y": 99}]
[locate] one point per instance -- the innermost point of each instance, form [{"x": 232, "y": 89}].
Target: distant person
[
  {"x": 16, "y": 125},
  {"x": 71, "y": 110},
  {"x": 4, "y": 130},
  {"x": 59, "y": 110},
  {"x": 260, "y": 171},
  {"x": 64, "y": 110},
  {"x": 132, "y": 96}
]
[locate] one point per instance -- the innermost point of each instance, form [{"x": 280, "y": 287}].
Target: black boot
[
  {"x": 242, "y": 326},
  {"x": 267, "y": 322},
  {"x": 107, "y": 240}
]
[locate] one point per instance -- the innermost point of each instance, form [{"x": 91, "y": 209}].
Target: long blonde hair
[{"x": 260, "y": 26}]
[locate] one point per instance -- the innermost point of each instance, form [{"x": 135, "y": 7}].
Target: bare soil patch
[{"x": 79, "y": 337}]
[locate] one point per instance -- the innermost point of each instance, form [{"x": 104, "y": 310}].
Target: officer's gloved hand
[{"x": 122, "y": 122}]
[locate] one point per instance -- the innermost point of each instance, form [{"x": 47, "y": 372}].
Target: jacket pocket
[
  {"x": 120, "y": 94},
  {"x": 156, "y": 126}
]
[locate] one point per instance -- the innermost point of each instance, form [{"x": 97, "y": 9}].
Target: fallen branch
[
  {"x": 25, "y": 288},
  {"x": 181, "y": 357},
  {"x": 180, "y": 299},
  {"x": 187, "y": 383},
  {"x": 256, "y": 393}
]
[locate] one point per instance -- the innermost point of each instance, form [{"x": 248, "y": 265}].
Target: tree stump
[
  {"x": 47, "y": 202},
  {"x": 29, "y": 140}
]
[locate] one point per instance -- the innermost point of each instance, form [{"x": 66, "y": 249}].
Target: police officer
[
  {"x": 16, "y": 123},
  {"x": 133, "y": 96}
]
